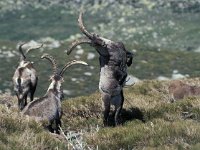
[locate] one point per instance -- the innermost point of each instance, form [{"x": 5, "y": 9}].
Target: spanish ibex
[
  {"x": 113, "y": 59},
  {"x": 24, "y": 79},
  {"x": 48, "y": 107}
]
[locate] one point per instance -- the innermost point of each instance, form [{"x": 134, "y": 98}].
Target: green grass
[
  {"x": 157, "y": 123},
  {"x": 149, "y": 120},
  {"x": 19, "y": 132}
]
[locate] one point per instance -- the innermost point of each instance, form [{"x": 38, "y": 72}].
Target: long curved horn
[
  {"x": 52, "y": 61},
  {"x": 23, "y": 57},
  {"x": 82, "y": 27},
  {"x": 76, "y": 43},
  {"x": 73, "y": 62},
  {"x": 33, "y": 48}
]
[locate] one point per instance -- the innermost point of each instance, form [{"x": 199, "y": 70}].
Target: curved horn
[
  {"x": 33, "y": 48},
  {"x": 76, "y": 43},
  {"x": 23, "y": 57},
  {"x": 82, "y": 27},
  {"x": 52, "y": 61},
  {"x": 73, "y": 62}
]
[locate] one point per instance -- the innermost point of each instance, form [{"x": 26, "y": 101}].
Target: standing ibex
[
  {"x": 114, "y": 59},
  {"x": 24, "y": 79},
  {"x": 48, "y": 107}
]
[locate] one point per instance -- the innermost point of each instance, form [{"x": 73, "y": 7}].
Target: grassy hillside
[
  {"x": 164, "y": 35},
  {"x": 150, "y": 121}
]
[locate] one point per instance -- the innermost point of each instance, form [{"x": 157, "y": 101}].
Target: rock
[
  {"x": 91, "y": 56},
  {"x": 162, "y": 78},
  {"x": 131, "y": 80}
]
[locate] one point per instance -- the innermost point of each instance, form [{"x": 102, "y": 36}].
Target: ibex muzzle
[
  {"x": 113, "y": 59},
  {"x": 24, "y": 79}
]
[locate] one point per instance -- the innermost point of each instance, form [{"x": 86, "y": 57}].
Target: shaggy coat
[
  {"x": 48, "y": 107},
  {"x": 24, "y": 79},
  {"x": 113, "y": 60}
]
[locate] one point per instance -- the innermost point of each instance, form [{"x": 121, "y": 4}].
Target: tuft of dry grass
[{"x": 149, "y": 121}]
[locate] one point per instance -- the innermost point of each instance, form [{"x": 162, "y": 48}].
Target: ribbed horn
[
  {"x": 73, "y": 62},
  {"x": 82, "y": 27},
  {"x": 28, "y": 50},
  {"x": 78, "y": 42},
  {"x": 23, "y": 57},
  {"x": 52, "y": 61}
]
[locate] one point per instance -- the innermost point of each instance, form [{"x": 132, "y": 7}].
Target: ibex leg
[
  {"x": 49, "y": 127},
  {"x": 118, "y": 107},
  {"x": 33, "y": 88},
  {"x": 106, "y": 98},
  {"x": 22, "y": 102},
  {"x": 58, "y": 124}
]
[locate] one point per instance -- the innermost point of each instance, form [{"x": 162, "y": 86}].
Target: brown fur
[
  {"x": 180, "y": 90},
  {"x": 47, "y": 108}
]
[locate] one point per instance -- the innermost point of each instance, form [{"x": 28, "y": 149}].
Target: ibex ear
[
  {"x": 29, "y": 65},
  {"x": 50, "y": 78},
  {"x": 129, "y": 59}
]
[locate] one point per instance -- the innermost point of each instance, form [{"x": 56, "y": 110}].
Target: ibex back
[{"x": 24, "y": 79}]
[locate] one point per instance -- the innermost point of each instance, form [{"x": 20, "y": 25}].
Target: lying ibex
[
  {"x": 180, "y": 90},
  {"x": 24, "y": 79},
  {"x": 48, "y": 107},
  {"x": 114, "y": 59}
]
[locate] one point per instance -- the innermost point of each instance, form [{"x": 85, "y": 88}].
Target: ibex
[
  {"x": 113, "y": 59},
  {"x": 180, "y": 90},
  {"x": 24, "y": 79},
  {"x": 48, "y": 107}
]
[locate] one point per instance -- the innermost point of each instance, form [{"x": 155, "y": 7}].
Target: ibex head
[
  {"x": 101, "y": 44},
  {"x": 91, "y": 38},
  {"x": 23, "y": 56},
  {"x": 57, "y": 77}
]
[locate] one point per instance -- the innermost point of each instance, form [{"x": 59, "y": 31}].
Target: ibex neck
[{"x": 55, "y": 88}]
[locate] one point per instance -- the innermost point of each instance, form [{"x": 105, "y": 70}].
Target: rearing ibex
[
  {"x": 48, "y": 107},
  {"x": 24, "y": 79},
  {"x": 114, "y": 59}
]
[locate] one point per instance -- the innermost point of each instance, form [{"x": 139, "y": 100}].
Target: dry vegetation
[{"x": 149, "y": 120}]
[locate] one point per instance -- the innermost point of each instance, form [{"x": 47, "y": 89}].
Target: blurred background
[{"x": 163, "y": 35}]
